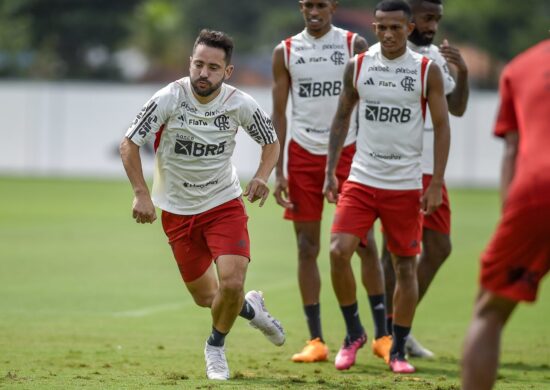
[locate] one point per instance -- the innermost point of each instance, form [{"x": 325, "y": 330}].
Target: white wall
[{"x": 73, "y": 129}]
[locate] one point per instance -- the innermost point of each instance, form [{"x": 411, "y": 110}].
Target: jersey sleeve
[
  {"x": 256, "y": 122},
  {"x": 152, "y": 116},
  {"x": 506, "y": 118}
]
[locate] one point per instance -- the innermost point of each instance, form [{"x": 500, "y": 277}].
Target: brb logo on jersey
[
  {"x": 387, "y": 114},
  {"x": 195, "y": 149},
  {"x": 318, "y": 89},
  {"x": 222, "y": 122}
]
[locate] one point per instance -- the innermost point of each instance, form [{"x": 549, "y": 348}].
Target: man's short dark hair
[
  {"x": 414, "y": 3},
  {"x": 394, "y": 5},
  {"x": 217, "y": 39}
]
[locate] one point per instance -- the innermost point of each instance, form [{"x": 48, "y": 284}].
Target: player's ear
[
  {"x": 410, "y": 27},
  {"x": 229, "y": 71}
]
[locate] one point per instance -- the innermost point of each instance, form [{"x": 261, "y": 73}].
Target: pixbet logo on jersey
[
  {"x": 196, "y": 149},
  {"x": 387, "y": 114},
  {"x": 318, "y": 89}
]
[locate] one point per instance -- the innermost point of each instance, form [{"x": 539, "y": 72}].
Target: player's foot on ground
[
  {"x": 381, "y": 347},
  {"x": 269, "y": 326},
  {"x": 401, "y": 366},
  {"x": 414, "y": 349},
  {"x": 216, "y": 363},
  {"x": 314, "y": 351},
  {"x": 347, "y": 353}
]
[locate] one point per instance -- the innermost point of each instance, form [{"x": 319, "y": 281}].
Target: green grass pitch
[{"x": 88, "y": 298}]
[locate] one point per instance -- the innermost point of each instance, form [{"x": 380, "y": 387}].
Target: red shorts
[
  {"x": 518, "y": 255},
  {"x": 197, "y": 240},
  {"x": 306, "y": 176},
  {"x": 399, "y": 211},
  {"x": 440, "y": 219}
]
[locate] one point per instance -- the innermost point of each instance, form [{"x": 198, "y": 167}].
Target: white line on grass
[
  {"x": 150, "y": 310},
  {"x": 147, "y": 311}
]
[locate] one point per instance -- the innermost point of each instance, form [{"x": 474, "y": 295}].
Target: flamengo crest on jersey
[
  {"x": 316, "y": 67},
  {"x": 432, "y": 52},
  {"x": 194, "y": 143},
  {"x": 392, "y": 104}
]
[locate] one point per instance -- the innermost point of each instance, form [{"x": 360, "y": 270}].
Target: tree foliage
[{"x": 85, "y": 38}]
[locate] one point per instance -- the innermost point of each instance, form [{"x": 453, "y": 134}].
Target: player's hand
[
  {"x": 330, "y": 188},
  {"x": 143, "y": 210},
  {"x": 256, "y": 189},
  {"x": 432, "y": 198},
  {"x": 281, "y": 192},
  {"x": 452, "y": 56}
]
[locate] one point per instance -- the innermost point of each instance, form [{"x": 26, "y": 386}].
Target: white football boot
[
  {"x": 414, "y": 349},
  {"x": 269, "y": 326},
  {"x": 216, "y": 363}
]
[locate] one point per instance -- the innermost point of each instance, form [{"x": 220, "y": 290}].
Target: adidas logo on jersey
[
  {"x": 300, "y": 61},
  {"x": 370, "y": 81}
]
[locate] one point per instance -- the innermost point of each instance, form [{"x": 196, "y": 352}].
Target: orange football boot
[
  {"x": 314, "y": 351},
  {"x": 381, "y": 347}
]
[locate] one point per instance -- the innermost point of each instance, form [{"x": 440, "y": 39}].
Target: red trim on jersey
[
  {"x": 360, "y": 58},
  {"x": 350, "y": 39},
  {"x": 157, "y": 138},
  {"x": 423, "y": 99},
  {"x": 288, "y": 43},
  {"x": 231, "y": 94}
]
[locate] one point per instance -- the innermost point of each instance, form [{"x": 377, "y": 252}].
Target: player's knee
[
  {"x": 438, "y": 249},
  {"x": 203, "y": 299},
  {"x": 232, "y": 288},
  {"x": 339, "y": 253},
  {"x": 405, "y": 270},
  {"x": 307, "y": 250}
]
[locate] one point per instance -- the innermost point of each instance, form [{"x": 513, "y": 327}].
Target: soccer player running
[
  {"x": 310, "y": 65},
  {"x": 392, "y": 87},
  {"x": 518, "y": 255},
  {"x": 436, "y": 240},
  {"x": 193, "y": 122}
]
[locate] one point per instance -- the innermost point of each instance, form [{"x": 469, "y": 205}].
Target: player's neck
[
  {"x": 206, "y": 99},
  {"x": 319, "y": 33},
  {"x": 393, "y": 55}
]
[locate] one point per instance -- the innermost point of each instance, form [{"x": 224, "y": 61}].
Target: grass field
[{"x": 90, "y": 299}]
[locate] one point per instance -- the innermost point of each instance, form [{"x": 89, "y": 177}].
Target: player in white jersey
[
  {"x": 393, "y": 86},
  {"x": 436, "y": 241},
  {"x": 310, "y": 66},
  {"x": 193, "y": 122}
]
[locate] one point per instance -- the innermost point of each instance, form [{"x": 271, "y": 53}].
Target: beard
[
  {"x": 209, "y": 90},
  {"x": 420, "y": 39}
]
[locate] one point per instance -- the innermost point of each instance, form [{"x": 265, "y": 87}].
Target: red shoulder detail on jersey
[
  {"x": 288, "y": 43},
  {"x": 231, "y": 94},
  {"x": 349, "y": 38},
  {"x": 423, "y": 99},
  {"x": 358, "y": 64},
  {"x": 157, "y": 138}
]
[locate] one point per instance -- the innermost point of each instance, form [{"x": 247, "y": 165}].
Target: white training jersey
[
  {"x": 316, "y": 67},
  {"x": 392, "y": 104},
  {"x": 194, "y": 143},
  {"x": 432, "y": 52}
]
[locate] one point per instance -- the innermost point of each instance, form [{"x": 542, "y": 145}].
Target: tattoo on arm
[{"x": 340, "y": 124}]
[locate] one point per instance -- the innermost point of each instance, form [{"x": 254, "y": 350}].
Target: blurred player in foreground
[{"x": 518, "y": 255}]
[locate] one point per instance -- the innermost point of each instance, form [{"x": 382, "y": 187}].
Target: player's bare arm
[
  {"x": 458, "y": 99},
  {"x": 508, "y": 163},
  {"x": 143, "y": 210},
  {"x": 257, "y": 188},
  {"x": 280, "y": 90},
  {"x": 360, "y": 45},
  {"x": 339, "y": 130},
  {"x": 437, "y": 103}
]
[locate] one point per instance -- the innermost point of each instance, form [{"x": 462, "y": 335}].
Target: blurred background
[{"x": 74, "y": 73}]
